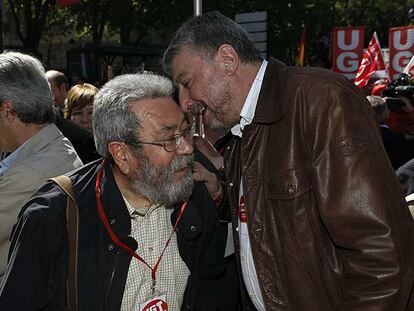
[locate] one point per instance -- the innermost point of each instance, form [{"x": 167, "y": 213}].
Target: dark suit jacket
[
  {"x": 399, "y": 149},
  {"x": 81, "y": 139}
]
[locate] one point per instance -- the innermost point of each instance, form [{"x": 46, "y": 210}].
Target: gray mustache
[{"x": 182, "y": 162}]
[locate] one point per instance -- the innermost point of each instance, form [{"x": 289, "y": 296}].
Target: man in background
[
  {"x": 59, "y": 87},
  {"x": 399, "y": 149},
  {"x": 38, "y": 149}
]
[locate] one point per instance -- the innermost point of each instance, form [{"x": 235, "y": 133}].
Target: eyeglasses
[{"x": 171, "y": 144}]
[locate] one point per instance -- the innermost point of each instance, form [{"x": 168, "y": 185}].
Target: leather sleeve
[{"x": 360, "y": 200}]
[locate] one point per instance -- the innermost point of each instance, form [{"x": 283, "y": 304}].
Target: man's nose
[
  {"x": 186, "y": 146},
  {"x": 184, "y": 99}
]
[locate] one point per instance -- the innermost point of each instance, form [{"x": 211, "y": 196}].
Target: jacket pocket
[
  {"x": 308, "y": 254},
  {"x": 288, "y": 185}
]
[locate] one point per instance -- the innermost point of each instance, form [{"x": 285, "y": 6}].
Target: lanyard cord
[{"x": 117, "y": 241}]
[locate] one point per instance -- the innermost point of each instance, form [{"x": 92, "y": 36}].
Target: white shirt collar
[
  {"x": 249, "y": 106},
  {"x": 8, "y": 161}
]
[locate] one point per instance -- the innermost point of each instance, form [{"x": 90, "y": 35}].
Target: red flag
[
  {"x": 63, "y": 3},
  {"x": 300, "y": 59},
  {"x": 371, "y": 62}
]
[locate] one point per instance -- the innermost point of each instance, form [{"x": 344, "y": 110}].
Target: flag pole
[
  {"x": 198, "y": 7},
  {"x": 408, "y": 68}
]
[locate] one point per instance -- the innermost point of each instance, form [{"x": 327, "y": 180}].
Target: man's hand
[
  {"x": 208, "y": 150},
  {"x": 200, "y": 173}
]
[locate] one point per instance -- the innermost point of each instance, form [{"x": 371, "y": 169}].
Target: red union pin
[
  {"x": 242, "y": 210},
  {"x": 157, "y": 303}
]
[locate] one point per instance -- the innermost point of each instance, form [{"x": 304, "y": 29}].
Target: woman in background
[{"x": 78, "y": 106}]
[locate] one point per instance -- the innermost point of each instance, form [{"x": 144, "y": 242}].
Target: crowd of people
[
  {"x": 229, "y": 182},
  {"x": 393, "y": 104}
]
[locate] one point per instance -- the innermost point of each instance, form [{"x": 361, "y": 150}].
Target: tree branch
[{"x": 16, "y": 21}]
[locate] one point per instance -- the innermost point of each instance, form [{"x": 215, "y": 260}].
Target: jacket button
[
  {"x": 231, "y": 184},
  {"x": 112, "y": 221},
  {"x": 291, "y": 190},
  {"x": 193, "y": 228},
  {"x": 110, "y": 247}
]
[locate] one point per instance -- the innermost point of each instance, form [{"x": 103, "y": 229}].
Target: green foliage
[
  {"x": 133, "y": 19},
  {"x": 30, "y": 19}
]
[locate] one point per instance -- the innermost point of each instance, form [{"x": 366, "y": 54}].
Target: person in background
[
  {"x": 401, "y": 104},
  {"x": 78, "y": 105},
  {"x": 320, "y": 221},
  {"x": 38, "y": 149},
  {"x": 59, "y": 87},
  {"x": 81, "y": 139},
  {"x": 399, "y": 149},
  {"x": 143, "y": 188},
  {"x": 379, "y": 86}
]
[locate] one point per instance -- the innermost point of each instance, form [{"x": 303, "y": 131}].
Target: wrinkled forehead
[{"x": 161, "y": 114}]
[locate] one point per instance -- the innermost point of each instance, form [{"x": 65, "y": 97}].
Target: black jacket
[
  {"x": 81, "y": 139},
  {"x": 36, "y": 275},
  {"x": 399, "y": 149}
]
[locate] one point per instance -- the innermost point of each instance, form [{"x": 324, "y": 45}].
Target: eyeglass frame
[{"x": 187, "y": 133}]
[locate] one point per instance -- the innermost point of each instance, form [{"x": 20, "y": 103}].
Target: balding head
[{"x": 59, "y": 87}]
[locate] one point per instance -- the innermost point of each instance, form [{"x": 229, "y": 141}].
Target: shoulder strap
[{"x": 72, "y": 219}]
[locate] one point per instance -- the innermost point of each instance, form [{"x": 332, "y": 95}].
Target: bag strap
[{"x": 72, "y": 220}]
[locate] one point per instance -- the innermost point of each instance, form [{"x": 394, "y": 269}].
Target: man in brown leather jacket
[{"x": 319, "y": 217}]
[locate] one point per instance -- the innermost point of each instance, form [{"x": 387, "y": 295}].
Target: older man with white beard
[{"x": 129, "y": 254}]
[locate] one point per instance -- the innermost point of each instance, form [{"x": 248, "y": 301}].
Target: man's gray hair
[
  {"x": 112, "y": 118},
  {"x": 23, "y": 83},
  {"x": 205, "y": 34}
]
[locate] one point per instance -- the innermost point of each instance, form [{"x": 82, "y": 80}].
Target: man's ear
[
  {"x": 227, "y": 59},
  {"x": 63, "y": 87},
  {"x": 8, "y": 111},
  {"x": 121, "y": 156}
]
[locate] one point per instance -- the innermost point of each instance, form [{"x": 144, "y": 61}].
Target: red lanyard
[{"x": 121, "y": 244}]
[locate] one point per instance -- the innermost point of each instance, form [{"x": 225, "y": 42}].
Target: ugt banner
[
  {"x": 401, "y": 44},
  {"x": 347, "y": 49}
]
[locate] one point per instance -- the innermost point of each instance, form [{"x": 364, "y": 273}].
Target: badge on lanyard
[{"x": 156, "y": 303}]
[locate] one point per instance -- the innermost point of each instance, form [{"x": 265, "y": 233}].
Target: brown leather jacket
[{"x": 328, "y": 224}]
